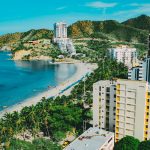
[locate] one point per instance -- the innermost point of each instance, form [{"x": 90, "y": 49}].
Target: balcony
[
  {"x": 117, "y": 130},
  {"x": 117, "y": 118},
  {"x": 118, "y": 86},
  {"x": 117, "y": 105},
  {"x": 118, "y": 92},
  {"x": 118, "y": 99}
]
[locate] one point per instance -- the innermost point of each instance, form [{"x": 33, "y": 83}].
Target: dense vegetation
[
  {"x": 131, "y": 143},
  {"x": 141, "y": 22},
  {"x": 132, "y": 30},
  {"x": 55, "y": 117},
  {"x": 37, "y": 144},
  {"x": 14, "y": 38},
  {"x": 111, "y": 28}
]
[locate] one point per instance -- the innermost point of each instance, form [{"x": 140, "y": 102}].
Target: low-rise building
[{"x": 93, "y": 139}]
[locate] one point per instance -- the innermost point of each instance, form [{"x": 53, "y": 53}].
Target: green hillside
[
  {"x": 141, "y": 22},
  {"x": 134, "y": 30},
  {"x": 25, "y": 36},
  {"x": 111, "y": 28}
]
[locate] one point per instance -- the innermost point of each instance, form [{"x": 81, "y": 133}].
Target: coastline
[{"x": 63, "y": 89}]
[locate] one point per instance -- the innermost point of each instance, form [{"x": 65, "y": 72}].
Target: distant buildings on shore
[
  {"x": 65, "y": 44},
  {"x": 124, "y": 54}
]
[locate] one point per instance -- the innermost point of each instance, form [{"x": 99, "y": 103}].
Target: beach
[{"x": 65, "y": 88}]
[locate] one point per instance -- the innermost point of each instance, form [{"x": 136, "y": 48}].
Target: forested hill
[
  {"x": 141, "y": 22},
  {"x": 111, "y": 28},
  {"x": 132, "y": 30},
  {"x": 25, "y": 36}
]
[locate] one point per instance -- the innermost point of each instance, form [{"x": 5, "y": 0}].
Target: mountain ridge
[
  {"x": 125, "y": 31},
  {"x": 140, "y": 22}
]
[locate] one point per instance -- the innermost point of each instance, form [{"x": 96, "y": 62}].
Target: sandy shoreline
[{"x": 82, "y": 70}]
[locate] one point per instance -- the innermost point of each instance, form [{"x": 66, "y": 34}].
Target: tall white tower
[{"x": 60, "y": 30}]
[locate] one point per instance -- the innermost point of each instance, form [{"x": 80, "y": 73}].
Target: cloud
[
  {"x": 99, "y": 4},
  {"x": 61, "y": 8},
  {"x": 138, "y": 10}
]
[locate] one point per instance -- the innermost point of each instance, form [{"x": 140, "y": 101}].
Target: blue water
[{"x": 20, "y": 80}]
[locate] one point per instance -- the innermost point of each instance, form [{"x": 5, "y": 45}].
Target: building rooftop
[
  {"x": 106, "y": 82},
  {"x": 92, "y": 139}
]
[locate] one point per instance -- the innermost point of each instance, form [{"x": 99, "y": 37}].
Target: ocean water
[{"x": 20, "y": 80}]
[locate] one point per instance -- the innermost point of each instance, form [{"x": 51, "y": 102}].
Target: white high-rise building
[
  {"x": 104, "y": 97},
  {"x": 65, "y": 44},
  {"x": 60, "y": 30},
  {"x": 132, "y": 109},
  {"x": 124, "y": 54}
]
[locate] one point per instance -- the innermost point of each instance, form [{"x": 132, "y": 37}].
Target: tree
[
  {"x": 42, "y": 144},
  {"x": 145, "y": 145},
  {"x": 20, "y": 145},
  {"x": 127, "y": 143}
]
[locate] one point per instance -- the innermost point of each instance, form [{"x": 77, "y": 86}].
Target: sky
[{"x": 23, "y": 15}]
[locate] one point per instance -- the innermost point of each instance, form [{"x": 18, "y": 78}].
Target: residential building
[
  {"x": 132, "y": 109},
  {"x": 60, "y": 29},
  {"x": 133, "y": 73},
  {"x": 124, "y": 54},
  {"x": 145, "y": 70},
  {"x": 141, "y": 72},
  {"x": 104, "y": 103},
  {"x": 93, "y": 139},
  {"x": 64, "y": 43}
]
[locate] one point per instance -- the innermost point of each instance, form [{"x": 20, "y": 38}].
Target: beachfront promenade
[{"x": 65, "y": 88}]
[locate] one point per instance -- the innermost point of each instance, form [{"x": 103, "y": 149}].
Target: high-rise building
[
  {"x": 132, "y": 109},
  {"x": 142, "y": 72},
  {"x": 93, "y": 139},
  {"x": 104, "y": 97},
  {"x": 60, "y": 30},
  {"x": 145, "y": 70},
  {"x": 60, "y": 37},
  {"x": 124, "y": 54},
  {"x": 134, "y": 73}
]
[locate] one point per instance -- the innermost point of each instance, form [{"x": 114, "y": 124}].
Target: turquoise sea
[{"x": 20, "y": 80}]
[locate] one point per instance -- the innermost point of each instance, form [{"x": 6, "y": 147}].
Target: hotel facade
[
  {"x": 64, "y": 43},
  {"x": 104, "y": 97},
  {"x": 132, "y": 109},
  {"x": 128, "y": 112},
  {"x": 124, "y": 54}
]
